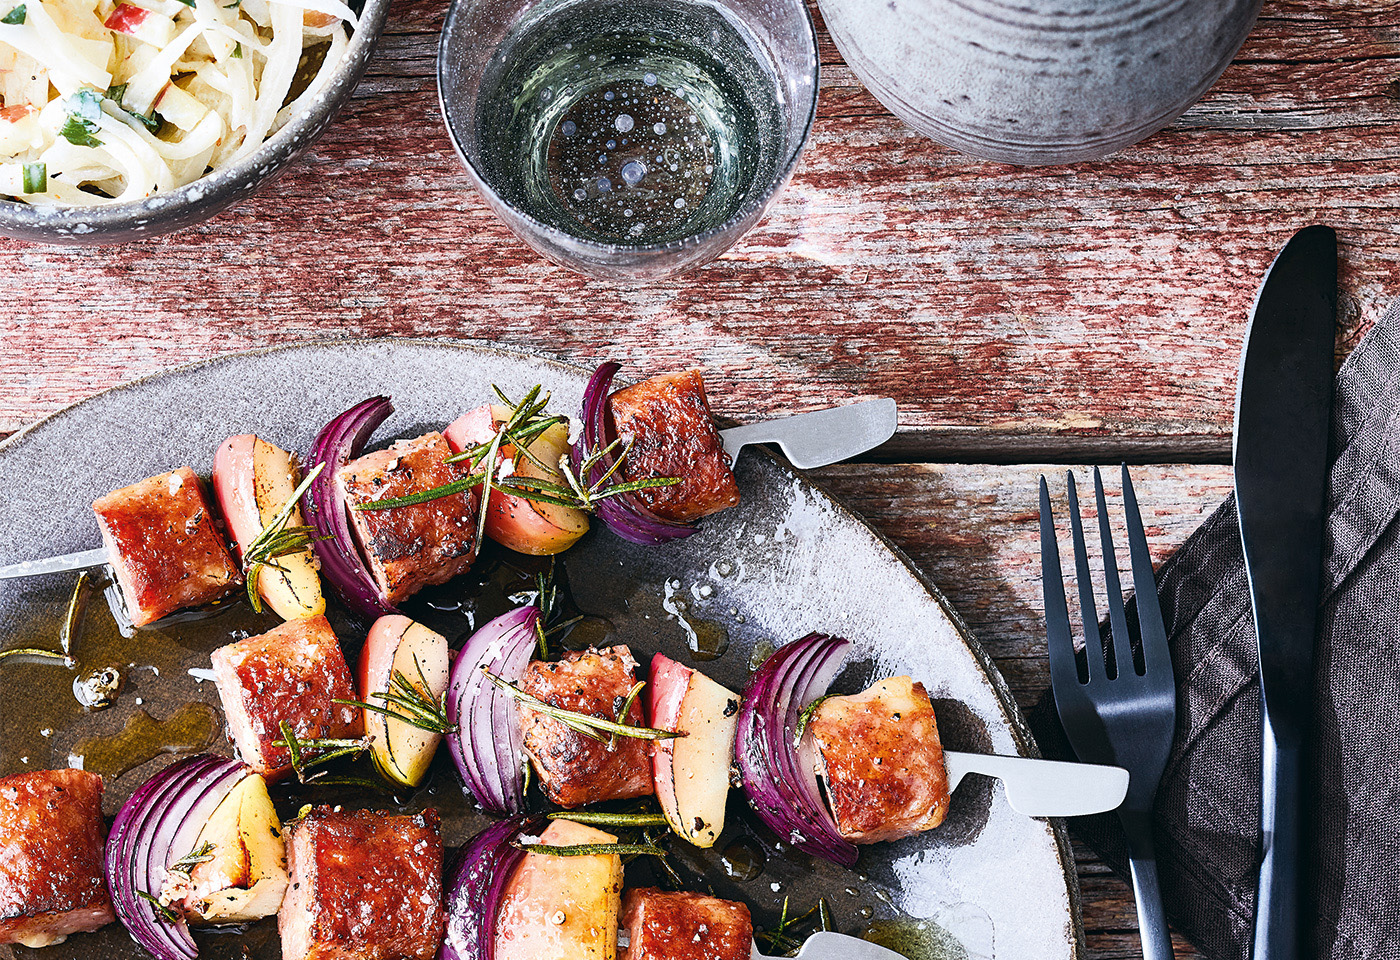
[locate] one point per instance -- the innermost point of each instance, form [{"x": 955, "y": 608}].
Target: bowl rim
[
  {"x": 561, "y": 238},
  {"x": 208, "y": 190}
]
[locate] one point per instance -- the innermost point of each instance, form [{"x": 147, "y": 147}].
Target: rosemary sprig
[
  {"x": 200, "y": 854},
  {"x": 586, "y": 724},
  {"x": 610, "y": 819},
  {"x": 278, "y": 540},
  {"x": 529, "y": 422},
  {"x": 72, "y": 620},
  {"x": 546, "y": 599},
  {"x": 409, "y": 702},
  {"x": 664, "y": 860},
  {"x": 35, "y": 652},
  {"x": 593, "y": 849},
  {"x": 161, "y": 909},
  {"x": 326, "y": 750},
  {"x": 575, "y": 492},
  {"x": 783, "y": 940},
  {"x": 805, "y": 717},
  {"x": 525, "y": 422},
  {"x": 626, "y": 709}
]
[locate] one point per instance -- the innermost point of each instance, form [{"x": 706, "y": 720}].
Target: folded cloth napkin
[{"x": 1207, "y": 814}]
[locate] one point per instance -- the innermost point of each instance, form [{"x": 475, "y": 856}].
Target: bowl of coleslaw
[{"x": 128, "y": 118}]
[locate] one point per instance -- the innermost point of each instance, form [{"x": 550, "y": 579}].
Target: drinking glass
[{"x": 629, "y": 139}]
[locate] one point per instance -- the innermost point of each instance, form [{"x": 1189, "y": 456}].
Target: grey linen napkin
[{"x": 1207, "y": 813}]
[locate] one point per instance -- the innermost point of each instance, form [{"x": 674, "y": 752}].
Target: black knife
[{"x": 1282, "y": 416}]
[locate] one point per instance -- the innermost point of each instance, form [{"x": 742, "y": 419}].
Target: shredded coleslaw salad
[{"x": 106, "y": 101}]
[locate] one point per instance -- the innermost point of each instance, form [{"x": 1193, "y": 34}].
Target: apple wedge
[
  {"x": 253, "y": 480},
  {"x": 398, "y": 651},
  {"x": 562, "y": 908},
  {"x": 522, "y": 525},
  {"x": 238, "y": 868},
  {"x": 691, "y": 773}
]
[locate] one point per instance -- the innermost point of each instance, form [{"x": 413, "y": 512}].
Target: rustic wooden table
[{"x": 1025, "y": 319}]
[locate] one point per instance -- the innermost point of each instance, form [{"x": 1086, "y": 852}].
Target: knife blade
[
  {"x": 821, "y": 437},
  {"x": 1282, "y": 417}
]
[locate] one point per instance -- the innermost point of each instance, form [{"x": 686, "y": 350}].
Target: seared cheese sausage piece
[
  {"x": 51, "y": 836},
  {"x": 575, "y": 769},
  {"x": 684, "y": 926},
  {"x": 291, "y": 673},
  {"x": 164, "y": 546},
  {"x": 409, "y": 548},
  {"x": 667, "y": 422},
  {"x": 364, "y": 886},
  {"x": 883, "y": 761}
]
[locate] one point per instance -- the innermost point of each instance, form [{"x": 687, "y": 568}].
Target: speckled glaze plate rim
[{"x": 1019, "y": 729}]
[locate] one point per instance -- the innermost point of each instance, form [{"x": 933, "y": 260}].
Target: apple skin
[
  {"x": 252, "y": 480},
  {"x": 141, "y": 23},
  {"x": 396, "y": 644},
  {"x": 562, "y": 908},
  {"x": 691, "y": 773},
  {"x": 520, "y": 524}
]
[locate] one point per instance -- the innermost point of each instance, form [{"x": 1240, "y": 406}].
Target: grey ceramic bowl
[
  {"x": 200, "y": 200},
  {"x": 1038, "y": 81}
]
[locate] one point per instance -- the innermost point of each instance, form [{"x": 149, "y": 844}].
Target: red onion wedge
[
  {"x": 779, "y": 774},
  {"x": 475, "y": 884},
  {"x": 339, "y": 442},
  {"x": 625, "y": 514},
  {"x": 487, "y": 743},
  {"x": 156, "y": 827}
]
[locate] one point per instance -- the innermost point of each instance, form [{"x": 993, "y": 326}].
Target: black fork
[{"x": 1125, "y": 711}]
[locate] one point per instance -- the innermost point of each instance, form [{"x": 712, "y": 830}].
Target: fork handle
[{"x": 1152, "y": 917}]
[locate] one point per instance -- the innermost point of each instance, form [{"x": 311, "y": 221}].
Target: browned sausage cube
[
  {"x": 575, "y": 769},
  {"x": 364, "y": 886},
  {"x": 883, "y": 761},
  {"x": 667, "y": 420},
  {"x": 410, "y": 547},
  {"x": 291, "y": 673},
  {"x": 685, "y": 926},
  {"x": 51, "y": 836},
  {"x": 164, "y": 545}
]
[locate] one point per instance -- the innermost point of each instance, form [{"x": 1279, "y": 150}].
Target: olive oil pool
[{"x": 632, "y": 123}]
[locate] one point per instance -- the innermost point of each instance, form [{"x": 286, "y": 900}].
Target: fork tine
[
  {"x": 1117, "y": 616},
  {"x": 1155, "y": 654},
  {"x": 1059, "y": 639},
  {"x": 1093, "y": 644}
]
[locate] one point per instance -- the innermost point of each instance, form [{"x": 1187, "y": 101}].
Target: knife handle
[{"x": 1278, "y": 918}]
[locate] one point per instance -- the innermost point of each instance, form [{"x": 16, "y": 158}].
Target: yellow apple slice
[
  {"x": 253, "y": 480},
  {"x": 521, "y": 524},
  {"x": 399, "y": 646},
  {"x": 691, "y": 773},
  {"x": 562, "y": 908},
  {"x": 241, "y": 873}
]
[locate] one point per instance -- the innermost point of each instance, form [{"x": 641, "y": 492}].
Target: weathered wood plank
[{"x": 1064, "y": 312}]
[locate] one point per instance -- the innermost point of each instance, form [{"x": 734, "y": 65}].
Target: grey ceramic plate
[{"x": 787, "y": 561}]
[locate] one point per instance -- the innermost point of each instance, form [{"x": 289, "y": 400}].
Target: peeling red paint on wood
[{"x": 1050, "y": 309}]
